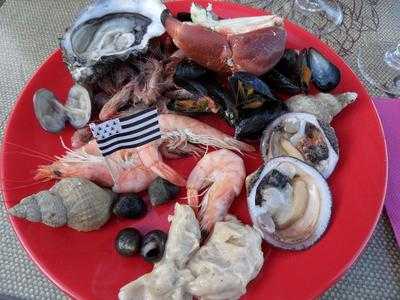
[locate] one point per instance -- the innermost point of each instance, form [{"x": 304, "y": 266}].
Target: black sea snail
[
  {"x": 130, "y": 206},
  {"x": 128, "y": 242},
  {"x": 154, "y": 245}
]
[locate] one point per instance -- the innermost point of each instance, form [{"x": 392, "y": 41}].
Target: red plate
[{"x": 86, "y": 266}]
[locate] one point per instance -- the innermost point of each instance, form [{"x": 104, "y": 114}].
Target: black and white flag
[{"x": 127, "y": 132}]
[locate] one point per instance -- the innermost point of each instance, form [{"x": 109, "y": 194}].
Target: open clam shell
[
  {"x": 78, "y": 107},
  {"x": 289, "y": 202},
  {"x": 303, "y": 136}
]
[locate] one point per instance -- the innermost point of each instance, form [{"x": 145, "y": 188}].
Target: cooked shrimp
[
  {"x": 179, "y": 129},
  {"x": 134, "y": 169},
  {"x": 222, "y": 174}
]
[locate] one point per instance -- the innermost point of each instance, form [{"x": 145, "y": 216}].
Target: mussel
[
  {"x": 252, "y": 105},
  {"x": 289, "y": 202},
  {"x": 291, "y": 75},
  {"x": 304, "y": 137},
  {"x": 188, "y": 69},
  {"x": 193, "y": 98},
  {"x": 325, "y": 75}
]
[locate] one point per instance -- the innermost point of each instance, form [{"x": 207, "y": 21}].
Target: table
[{"x": 28, "y": 34}]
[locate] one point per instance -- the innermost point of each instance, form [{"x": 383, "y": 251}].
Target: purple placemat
[{"x": 389, "y": 111}]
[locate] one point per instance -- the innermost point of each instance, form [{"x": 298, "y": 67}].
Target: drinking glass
[{"x": 379, "y": 63}]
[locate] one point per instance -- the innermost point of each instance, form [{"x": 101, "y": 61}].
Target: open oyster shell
[
  {"x": 303, "y": 136},
  {"x": 289, "y": 202},
  {"x": 108, "y": 30}
]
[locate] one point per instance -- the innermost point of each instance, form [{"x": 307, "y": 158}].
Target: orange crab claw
[{"x": 232, "y": 46}]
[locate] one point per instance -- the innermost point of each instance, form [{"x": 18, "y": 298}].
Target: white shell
[
  {"x": 326, "y": 167},
  {"x": 108, "y": 29},
  {"x": 258, "y": 212}
]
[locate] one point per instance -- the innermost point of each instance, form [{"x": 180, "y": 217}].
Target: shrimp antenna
[{"x": 29, "y": 150}]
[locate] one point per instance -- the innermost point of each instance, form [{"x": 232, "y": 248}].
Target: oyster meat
[
  {"x": 290, "y": 202},
  {"x": 109, "y": 30},
  {"x": 304, "y": 137}
]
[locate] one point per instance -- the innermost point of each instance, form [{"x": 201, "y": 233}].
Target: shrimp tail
[{"x": 166, "y": 172}]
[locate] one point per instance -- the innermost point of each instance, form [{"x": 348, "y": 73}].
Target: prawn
[
  {"x": 221, "y": 174},
  {"x": 134, "y": 169}
]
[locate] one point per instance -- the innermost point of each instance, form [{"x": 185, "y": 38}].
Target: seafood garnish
[
  {"x": 75, "y": 202},
  {"x": 221, "y": 173},
  {"x": 169, "y": 277},
  {"x": 110, "y": 30},
  {"x": 290, "y": 202},
  {"x": 324, "y": 106},
  {"x": 52, "y": 115},
  {"x": 253, "y": 44},
  {"x": 304, "y": 137}
]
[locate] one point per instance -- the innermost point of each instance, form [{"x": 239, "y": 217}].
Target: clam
[
  {"x": 78, "y": 107},
  {"x": 75, "y": 202},
  {"x": 49, "y": 111},
  {"x": 289, "y": 202},
  {"x": 110, "y": 30},
  {"x": 52, "y": 114},
  {"x": 304, "y": 137}
]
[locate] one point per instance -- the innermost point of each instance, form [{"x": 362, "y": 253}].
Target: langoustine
[
  {"x": 222, "y": 174},
  {"x": 253, "y": 44},
  {"x": 137, "y": 168}
]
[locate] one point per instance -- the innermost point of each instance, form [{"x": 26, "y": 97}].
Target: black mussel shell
[
  {"x": 161, "y": 190},
  {"x": 193, "y": 106},
  {"x": 287, "y": 65},
  {"x": 194, "y": 87},
  {"x": 281, "y": 83},
  {"x": 253, "y": 125},
  {"x": 188, "y": 69},
  {"x": 153, "y": 245},
  {"x": 184, "y": 17},
  {"x": 291, "y": 75},
  {"x": 325, "y": 75},
  {"x": 128, "y": 242},
  {"x": 130, "y": 206}
]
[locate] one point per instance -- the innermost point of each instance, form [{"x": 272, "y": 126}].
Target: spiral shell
[{"x": 75, "y": 202}]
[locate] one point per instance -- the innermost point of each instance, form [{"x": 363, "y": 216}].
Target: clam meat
[
  {"x": 109, "y": 30},
  {"x": 304, "y": 137},
  {"x": 289, "y": 202}
]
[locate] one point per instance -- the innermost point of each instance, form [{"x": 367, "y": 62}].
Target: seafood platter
[{"x": 199, "y": 150}]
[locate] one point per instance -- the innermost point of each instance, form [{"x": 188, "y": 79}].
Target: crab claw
[{"x": 252, "y": 44}]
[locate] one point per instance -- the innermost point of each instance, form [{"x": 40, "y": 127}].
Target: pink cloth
[{"x": 389, "y": 111}]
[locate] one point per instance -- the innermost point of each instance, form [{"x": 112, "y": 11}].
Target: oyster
[
  {"x": 109, "y": 30},
  {"x": 76, "y": 202},
  {"x": 290, "y": 202},
  {"x": 304, "y": 137}
]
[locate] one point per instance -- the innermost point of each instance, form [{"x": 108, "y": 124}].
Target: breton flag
[{"x": 127, "y": 132}]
